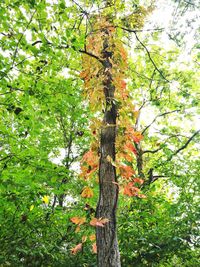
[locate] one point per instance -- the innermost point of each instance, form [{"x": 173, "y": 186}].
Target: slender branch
[
  {"x": 12, "y": 89},
  {"x": 135, "y": 31},
  {"x": 39, "y": 42},
  {"x": 92, "y": 55},
  {"x": 7, "y": 157},
  {"x": 73, "y": 47},
  {"x": 16, "y": 49},
  {"x": 190, "y": 3},
  {"x": 161, "y": 115},
  {"x": 197, "y": 62},
  {"x": 77, "y": 4},
  {"x": 150, "y": 58},
  {"x": 162, "y": 145},
  {"x": 152, "y": 151},
  {"x": 4, "y": 74},
  {"x": 184, "y": 146}
]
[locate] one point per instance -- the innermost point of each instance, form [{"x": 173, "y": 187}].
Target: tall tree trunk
[{"x": 107, "y": 245}]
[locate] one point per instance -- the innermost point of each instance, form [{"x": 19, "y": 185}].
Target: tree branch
[
  {"x": 190, "y": 3},
  {"x": 152, "y": 151},
  {"x": 7, "y": 157},
  {"x": 163, "y": 114},
  {"x": 150, "y": 58},
  {"x": 80, "y": 7},
  {"x": 16, "y": 49},
  {"x": 74, "y": 48},
  {"x": 135, "y": 31},
  {"x": 184, "y": 146}
]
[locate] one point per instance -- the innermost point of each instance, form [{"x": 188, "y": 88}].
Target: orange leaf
[
  {"x": 142, "y": 196},
  {"x": 84, "y": 74},
  {"x": 128, "y": 157},
  {"x": 78, "y": 229},
  {"x": 133, "y": 135},
  {"x": 94, "y": 248},
  {"x": 130, "y": 190},
  {"x": 126, "y": 171},
  {"x": 87, "y": 171},
  {"x": 90, "y": 158},
  {"x": 138, "y": 180},
  {"x": 78, "y": 220},
  {"x": 123, "y": 53},
  {"x": 87, "y": 192},
  {"x": 123, "y": 84},
  {"x": 98, "y": 222},
  {"x": 92, "y": 237},
  {"x": 130, "y": 147},
  {"x": 76, "y": 249},
  {"x": 137, "y": 137}
]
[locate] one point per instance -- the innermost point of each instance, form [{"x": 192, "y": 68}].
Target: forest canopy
[{"x": 99, "y": 133}]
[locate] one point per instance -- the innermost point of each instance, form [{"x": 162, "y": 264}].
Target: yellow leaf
[
  {"x": 84, "y": 238},
  {"x": 109, "y": 159},
  {"x": 92, "y": 237},
  {"x": 87, "y": 192},
  {"x": 78, "y": 229},
  {"x": 31, "y": 207},
  {"x": 136, "y": 113},
  {"x": 45, "y": 199}
]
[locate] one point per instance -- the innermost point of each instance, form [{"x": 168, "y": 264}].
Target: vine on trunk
[
  {"x": 93, "y": 74},
  {"x": 105, "y": 88}
]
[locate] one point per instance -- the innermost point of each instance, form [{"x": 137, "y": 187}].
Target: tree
[
  {"x": 64, "y": 66},
  {"x": 111, "y": 89}
]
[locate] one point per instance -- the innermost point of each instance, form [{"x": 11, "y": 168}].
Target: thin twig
[
  {"x": 150, "y": 58},
  {"x": 74, "y": 48},
  {"x": 184, "y": 146},
  {"x": 160, "y": 115},
  {"x": 135, "y": 31},
  {"x": 16, "y": 49}
]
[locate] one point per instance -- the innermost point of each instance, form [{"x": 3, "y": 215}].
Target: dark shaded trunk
[
  {"x": 139, "y": 158},
  {"x": 107, "y": 245}
]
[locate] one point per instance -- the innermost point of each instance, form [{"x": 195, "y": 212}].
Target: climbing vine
[
  {"x": 103, "y": 41},
  {"x": 93, "y": 75}
]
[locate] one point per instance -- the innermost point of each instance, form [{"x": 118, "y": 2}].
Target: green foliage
[{"x": 45, "y": 130}]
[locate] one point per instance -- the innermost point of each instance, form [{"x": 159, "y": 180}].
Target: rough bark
[
  {"x": 139, "y": 159},
  {"x": 107, "y": 245}
]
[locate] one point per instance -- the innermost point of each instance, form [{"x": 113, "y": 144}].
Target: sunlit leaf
[
  {"x": 99, "y": 222},
  {"x": 87, "y": 192},
  {"x": 78, "y": 220},
  {"x": 45, "y": 199},
  {"x": 77, "y": 248}
]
